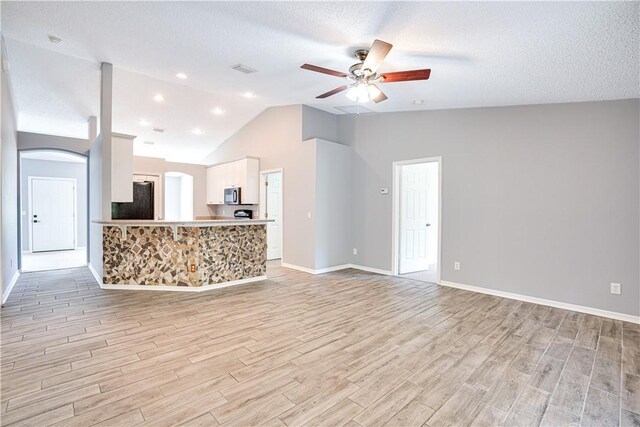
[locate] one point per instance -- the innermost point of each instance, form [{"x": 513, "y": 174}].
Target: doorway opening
[
  {"x": 53, "y": 210},
  {"x": 178, "y": 196},
  {"x": 271, "y": 207},
  {"x": 417, "y": 186}
]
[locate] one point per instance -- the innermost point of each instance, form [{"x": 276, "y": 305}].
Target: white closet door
[
  {"x": 273, "y": 207},
  {"x": 414, "y": 231},
  {"x": 52, "y": 214}
]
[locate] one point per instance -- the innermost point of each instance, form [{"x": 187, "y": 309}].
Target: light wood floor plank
[{"x": 343, "y": 348}]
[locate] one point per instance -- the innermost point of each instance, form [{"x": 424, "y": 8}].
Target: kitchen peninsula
[{"x": 183, "y": 255}]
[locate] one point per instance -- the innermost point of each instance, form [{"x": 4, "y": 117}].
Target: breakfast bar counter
[{"x": 183, "y": 255}]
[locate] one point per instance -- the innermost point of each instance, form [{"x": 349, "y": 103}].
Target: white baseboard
[
  {"x": 336, "y": 268},
  {"x": 547, "y": 302},
  {"x": 174, "y": 288},
  {"x": 312, "y": 271},
  {"x": 95, "y": 274},
  {"x": 371, "y": 270},
  {"x": 10, "y": 286}
]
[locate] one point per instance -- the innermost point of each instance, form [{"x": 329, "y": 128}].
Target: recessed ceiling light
[
  {"x": 248, "y": 94},
  {"x": 218, "y": 111},
  {"x": 197, "y": 131},
  {"x": 158, "y": 98},
  {"x": 418, "y": 102},
  {"x": 144, "y": 123},
  {"x": 181, "y": 76},
  {"x": 54, "y": 39}
]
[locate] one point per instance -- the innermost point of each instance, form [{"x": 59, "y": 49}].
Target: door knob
[
  {"x": 428, "y": 225},
  {"x": 35, "y": 220}
]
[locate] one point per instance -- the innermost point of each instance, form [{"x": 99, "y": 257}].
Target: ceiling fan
[{"x": 363, "y": 76}]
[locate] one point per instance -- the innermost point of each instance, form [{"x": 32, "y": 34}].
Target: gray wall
[
  {"x": 333, "y": 204},
  {"x": 9, "y": 177},
  {"x": 33, "y": 167},
  {"x": 537, "y": 200},
  {"x": 275, "y": 136},
  {"x": 28, "y": 140}
]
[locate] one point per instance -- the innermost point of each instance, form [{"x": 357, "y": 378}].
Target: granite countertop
[{"x": 194, "y": 223}]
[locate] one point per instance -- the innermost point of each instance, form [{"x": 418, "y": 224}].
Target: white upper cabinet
[
  {"x": 243, "y": 174},
  {"x": 121, "y": 168}
]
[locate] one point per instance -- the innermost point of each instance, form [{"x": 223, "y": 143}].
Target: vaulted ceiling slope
[{"x": 480, "y": 53}]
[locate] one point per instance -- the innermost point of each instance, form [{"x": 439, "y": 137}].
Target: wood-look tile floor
[{"x": 344, "y": 348}]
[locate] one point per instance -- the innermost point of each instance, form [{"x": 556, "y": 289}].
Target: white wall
[
  {"x": 157, "y": 166},
  {"x": 538, "y": 200},
  {"x": 9, "y": 181}
]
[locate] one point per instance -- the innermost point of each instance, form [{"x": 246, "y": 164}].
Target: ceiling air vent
[
  {"x": 244, "y": 69},
  {"x": 158, "y": 130},
  {"x": 149, "y": 142},
  {"x": 354, "y": 109}
]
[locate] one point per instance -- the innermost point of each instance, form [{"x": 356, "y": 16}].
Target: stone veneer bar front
[{"x": 190, "y": 256}]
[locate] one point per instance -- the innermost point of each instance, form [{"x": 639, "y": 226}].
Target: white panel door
[
  {"x": 413, "y": 219},
  {"x": 52, "y": 214},
  {"x": 273, "y": 210}
]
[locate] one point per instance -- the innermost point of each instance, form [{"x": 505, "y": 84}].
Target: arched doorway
[
  {"x": 178, "y": 196},
  {"x": 53, "y": 204}
]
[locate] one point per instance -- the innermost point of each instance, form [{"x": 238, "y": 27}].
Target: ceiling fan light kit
[{"x": 363, "y": 75}]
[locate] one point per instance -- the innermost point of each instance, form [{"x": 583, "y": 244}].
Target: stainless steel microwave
[{"x": 232, "y": 196}]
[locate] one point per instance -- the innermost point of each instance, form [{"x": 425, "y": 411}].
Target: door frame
[
  {"x": 30, "y": 179},
  {"x": 395, "y": 213},
  {"x": 263, "y": 197}
]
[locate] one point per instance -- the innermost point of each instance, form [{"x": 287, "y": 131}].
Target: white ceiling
[{"x": 480, "y": 53}]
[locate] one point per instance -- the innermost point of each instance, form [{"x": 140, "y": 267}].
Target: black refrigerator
[{"x": 140, "y": 208}]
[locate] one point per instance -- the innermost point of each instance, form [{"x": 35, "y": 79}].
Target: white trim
[
  {"x": 95, "y": 274},
  {"x": 202, "y": 288},
  {"x": 371, "y": 270},
  {"x": 395, "y": 211},
  {"x": 30, "y": 179},
  {"x": 547, "y": 302},
  {"x": 262, "y": 197},
  {"x": 335, "y": 268},
  {"x": 12, "y": 283}
]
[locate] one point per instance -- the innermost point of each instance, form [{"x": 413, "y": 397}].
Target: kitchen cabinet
[
  {"x": 121, "y": 168},
  {"x": 243, "y": 174}
]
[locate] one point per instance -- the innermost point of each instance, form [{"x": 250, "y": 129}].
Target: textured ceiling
[{"x": 480, "y": 53}]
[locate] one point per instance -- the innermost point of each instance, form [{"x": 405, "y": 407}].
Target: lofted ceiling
[{"x": 480, "y": 53}]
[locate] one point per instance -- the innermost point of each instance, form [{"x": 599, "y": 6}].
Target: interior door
[
  {"x": 53, "y": 219},
  {"x": 272, "y": 209},
  {"x": 414, "y": 224}
]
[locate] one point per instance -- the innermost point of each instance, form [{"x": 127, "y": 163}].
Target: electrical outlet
[
  {"x": 616, "y": 288},
  {"x": 456, "y": 265},
  {"x": 193, "y": 268},
  {"x": 355, "y": 251}
]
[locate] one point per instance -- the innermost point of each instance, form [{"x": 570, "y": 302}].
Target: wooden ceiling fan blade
[
  {"x": 323, "y": 70},
  {"x": 376, "y": 55},
  {"x": 332, "y": 92},
  {"x": 380, "y": 97},
  {"x": 405, "y": 76}
]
